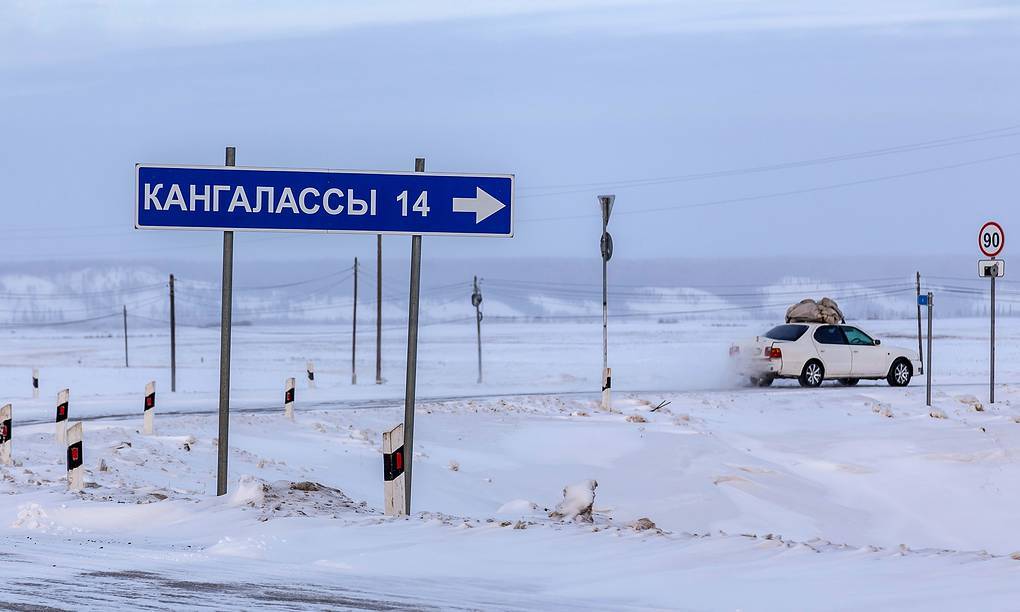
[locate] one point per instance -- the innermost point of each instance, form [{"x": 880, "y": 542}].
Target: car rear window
[{"x": 786, "y": 332}]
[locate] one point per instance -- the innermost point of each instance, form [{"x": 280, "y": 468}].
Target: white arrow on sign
[{"x": 483, "y": 205}]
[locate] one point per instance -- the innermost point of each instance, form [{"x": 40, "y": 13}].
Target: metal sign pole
[
  {"x": 920, "y": 350},
  {"x": 125, "y": 338},
  {"x": 606, "y": 244},
  {"x": 378, "y": 309},
  {"x": 412, "y": 355},
  {"x": 354, "y": 329},
  {"x": 991, "y": 359},
  {"x": 931, "y": 306},
  {"x": 173, "y": 339},
  {"x": 226, "y": 301},
  {"x": 476, "y": 299}
]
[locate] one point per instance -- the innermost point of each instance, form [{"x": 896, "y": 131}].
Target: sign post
[
  {"x": 6, "y": 432},
  {"x": 991, "y": 241},
  {"x": 920, "y": 350},
  {"x": 173, "y": 339},
  {"x": 927, "y": 300},
  {"x": 232, "y": 199},
  {"x": 606, "y": 244},
  {"x": 226, "y": 313},
  {"x": 476, "y": 301}
]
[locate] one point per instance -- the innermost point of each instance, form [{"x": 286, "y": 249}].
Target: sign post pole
[
  {"x": 173, "y": 339},
  {"x": 378, "y": 309},
  {"x": 931, "y": 306},
  {"x": 226, "y": 303},
  {"x": 991, "y": 241},
  {"x": 354, "y": 330},
  {"x": 125, "y": 338},
  {"x": 412, "y": 355},
  {"x": 991, "y": 357},
  {"x": 476, "y": 301},
  {"x": 606, "y": 243},
  {"x": 920, "y": 350}
]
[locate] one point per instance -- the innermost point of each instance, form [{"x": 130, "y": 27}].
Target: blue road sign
[
  {"x": 342, "y": 201},
  {"x": 922, "y": 300}
]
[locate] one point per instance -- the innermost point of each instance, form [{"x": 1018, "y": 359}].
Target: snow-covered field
[{"x": 775, "y": 499}]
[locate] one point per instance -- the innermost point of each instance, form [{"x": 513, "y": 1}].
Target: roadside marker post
[
  {"x": 310, "y": 374},
  {"x": 35, "y": 383},
  {"x": 149, "y": 408},
  {"x": 606, "y": 246},
  {"x": 393, "y": 472},
  {"x": 62, "y": 407},
  {"x": 991, "y": 241},
  {"x": 288, "y": 398},
  {"x": 229, "y": 199},
  {"x": 6, "y": 432},
  {"x": 75, "y": 458}
]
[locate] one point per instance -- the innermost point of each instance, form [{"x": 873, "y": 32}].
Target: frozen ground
[{"x": 775, "y": 499}]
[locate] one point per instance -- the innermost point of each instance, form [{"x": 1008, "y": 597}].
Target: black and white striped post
[
  {"x": 61, "y": 420},
  {"x": 75, "y": 458},
  {"x": 149, "y": 408},
  {"x": 394, "y": 501},
  {"x": 288, "y": 399},
  {"x": 6, "y": 430},
  {"x": 35, "y": 383}
]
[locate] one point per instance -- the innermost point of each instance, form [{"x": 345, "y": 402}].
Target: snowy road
[{"x": 779, "y": 498}]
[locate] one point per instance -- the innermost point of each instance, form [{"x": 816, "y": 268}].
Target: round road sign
[{"x": 991, "y": 239}]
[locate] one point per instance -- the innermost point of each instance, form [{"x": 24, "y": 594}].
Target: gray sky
[{"x": 642, "y": 99}]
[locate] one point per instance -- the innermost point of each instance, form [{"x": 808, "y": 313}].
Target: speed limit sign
[{"x": 991, "y": 239}]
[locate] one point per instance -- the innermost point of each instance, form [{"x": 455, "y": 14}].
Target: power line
[{"x": 780, "y": 194}]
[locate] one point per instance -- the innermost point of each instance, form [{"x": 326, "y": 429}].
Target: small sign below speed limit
[{"x": 991, "y": 239}]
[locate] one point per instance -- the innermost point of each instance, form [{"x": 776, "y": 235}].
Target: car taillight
[{"x": 774, "y": 353}]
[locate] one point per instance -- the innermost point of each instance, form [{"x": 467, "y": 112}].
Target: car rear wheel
[
  {"x": 848, "y": 382},
  {"x": 900, "y": 373},
  {"x": 812, "y": 375}
]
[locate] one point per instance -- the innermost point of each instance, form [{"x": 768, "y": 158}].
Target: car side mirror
[{"x": 877, "y": 342}]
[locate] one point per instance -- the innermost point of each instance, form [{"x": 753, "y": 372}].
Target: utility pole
[
  {"x": 354, "y": 330},
  {"x": 920, "y": 351},
  {"x": 173, "y": 339},
  {"x": 606, "y": 243},
  {"x": 412, "y": 355},
  {"x": 226, "y": 300},
  {"x": 378, "y": 309},
  {"x": 125, "y": 338},
  {"x": 476, "y": 301}
]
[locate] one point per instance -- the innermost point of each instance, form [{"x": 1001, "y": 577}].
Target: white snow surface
[{"x": 764, "y": 499}]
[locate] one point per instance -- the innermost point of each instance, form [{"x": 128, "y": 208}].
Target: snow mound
[
  {"x": 284, "y": 499},
  {"x": 518, "y": 507},
  {"x": 577, "y": 502}
]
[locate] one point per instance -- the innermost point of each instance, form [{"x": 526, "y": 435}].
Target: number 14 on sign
[{"x": 420, "y": 206}]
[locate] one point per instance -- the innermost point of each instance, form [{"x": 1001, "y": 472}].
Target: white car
[{"x": 813, "y": 352}]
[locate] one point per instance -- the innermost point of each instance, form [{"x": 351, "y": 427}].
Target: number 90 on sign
[{"x": 991, "y": 239}]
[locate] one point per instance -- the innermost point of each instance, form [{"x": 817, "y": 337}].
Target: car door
[
  {"x": 830, "y": 341},
  {"x": 867, "y": 359}
]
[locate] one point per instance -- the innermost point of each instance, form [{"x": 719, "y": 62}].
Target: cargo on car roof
[{"x": 810, "y": 311}]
